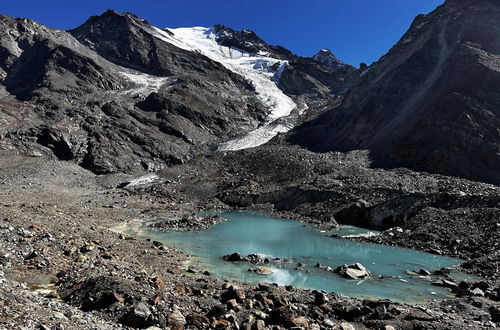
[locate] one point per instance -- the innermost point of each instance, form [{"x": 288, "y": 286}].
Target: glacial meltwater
[{"x": 255, "y": 233}]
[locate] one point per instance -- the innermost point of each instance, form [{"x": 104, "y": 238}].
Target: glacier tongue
[{"x": 256, "y": 68}]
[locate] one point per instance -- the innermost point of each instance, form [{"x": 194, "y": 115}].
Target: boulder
[
  {"x": 354, "y": 271},
  {"x": 176, "y": 320},
  {"x": 320, "y": 298},
  {"x": 261, "y": 270},
  {"x": 233, "y": 257},
  {"x": 197, "y": 320},
  {"x": 233, "y": 292},
  {"x": 446, "y": 284},
  {"x": 424, "y": 272},
  {"x": 478, "y": 292},
  {"x": 347, "y": 326},
  {"x": 138, "y": 317}
]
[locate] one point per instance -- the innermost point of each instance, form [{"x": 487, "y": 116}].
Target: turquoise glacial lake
[{"x": 248, "y": 232}]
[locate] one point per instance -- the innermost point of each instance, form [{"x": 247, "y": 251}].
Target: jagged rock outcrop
[{"x": 431, "y": 104}]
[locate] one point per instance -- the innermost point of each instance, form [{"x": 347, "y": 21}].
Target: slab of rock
[
  {"x": 424, "y": 272},
  {"x": 261, "y": 270},
  {"x": 354, "y": 271},
  {"x": 446, "y": 284}
]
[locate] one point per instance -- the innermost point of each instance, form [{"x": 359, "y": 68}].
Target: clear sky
[{"x": 355, "y": 30}]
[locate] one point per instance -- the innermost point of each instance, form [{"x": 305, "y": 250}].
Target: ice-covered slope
[{"x": 262, "y": 71}]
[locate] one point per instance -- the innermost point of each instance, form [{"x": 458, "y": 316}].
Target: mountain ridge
[
  {"x": 116, "y": 94},
  {"x": 413, "y": 108}
]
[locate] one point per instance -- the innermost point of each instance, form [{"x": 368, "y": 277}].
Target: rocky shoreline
[{"x": 62, "y": 266}]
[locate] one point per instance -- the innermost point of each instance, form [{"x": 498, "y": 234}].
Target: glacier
[{"x": 259, "y": 69}]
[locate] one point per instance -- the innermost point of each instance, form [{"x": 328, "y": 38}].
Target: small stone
[
  {"x": 70, "y": 251},
  {"x": 138, "y": 317},
  {"x": 197, "y": 320},
  {"x": 87, "y": 248},
  {"x": 347, "y": 326},
  {"x": 233, "y": 292},
  {"x": 181, "y": 290},
  {"x": 484, "y": 286},
  {"x": 232, "y": 304},
  {"x": 320, "y": 298},
  {"x": 424, "y": 272},
  {"x": 217, "y": 311},
  {"x": 81, "y": 258},
  {"x": 176, "y": 320},
  {"x": 32, "y": 255},
  {"x": 328, "y": 323},
  {"x": 156, "y": 300},
  {"x": 478, "y": 292},
  {"x": 300, "y": 322},
  {"x": 221, "y": 324},
  {"x": 261, "y": 315},
  {"x": 445, "y": 283},
  {"x": 159, "y": 283},
  {"x": 495, "y": 313},
  {"x": 260, "y": 324}
]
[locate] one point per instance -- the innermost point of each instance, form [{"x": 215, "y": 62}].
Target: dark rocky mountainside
[
  {"x": 80, "y": 101},
  {"x": 113, "y": 95},
  {"x": 431, "y": 104}
]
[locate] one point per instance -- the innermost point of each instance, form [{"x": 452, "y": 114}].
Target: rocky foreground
[{"x": 62, "y": 267}]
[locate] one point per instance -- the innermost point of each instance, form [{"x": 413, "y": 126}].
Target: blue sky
[{"x": 355, "y": 30}]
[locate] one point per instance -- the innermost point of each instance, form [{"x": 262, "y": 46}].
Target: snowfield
[{"x": 260, "y": 70}]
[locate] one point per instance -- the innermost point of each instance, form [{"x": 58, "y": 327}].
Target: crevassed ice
[
  {"x": 255, "y": 137},
  {"x": 256, "y": 68}
]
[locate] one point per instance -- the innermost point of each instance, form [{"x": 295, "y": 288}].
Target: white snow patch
[
  {"x": 144, "y": 180},
  {"x": 257, "y": 68},
  {"x": 143, "y": 83},
  {"x": 407, "y": 40}
]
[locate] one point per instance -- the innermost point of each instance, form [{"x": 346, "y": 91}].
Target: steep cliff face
[{"x": 432, "y": 103}]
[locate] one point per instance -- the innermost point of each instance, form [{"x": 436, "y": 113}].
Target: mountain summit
[{"x": 326, "y": 57}]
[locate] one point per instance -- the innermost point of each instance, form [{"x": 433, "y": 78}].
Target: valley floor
[{"x": 62, "y": 267}]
